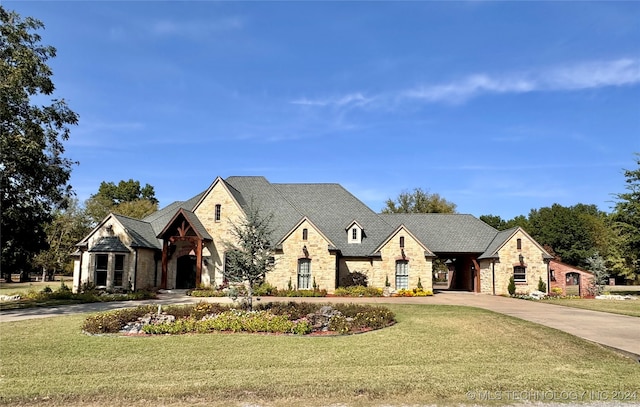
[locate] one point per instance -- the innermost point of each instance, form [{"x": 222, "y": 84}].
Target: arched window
[
  {"x": 402, "y": 275},
  {"x": 304, "y": 274}
]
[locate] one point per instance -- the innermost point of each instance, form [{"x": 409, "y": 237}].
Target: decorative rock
[
  {"x": 9, "y": 298},
  {"x": 134, "y": 328}
]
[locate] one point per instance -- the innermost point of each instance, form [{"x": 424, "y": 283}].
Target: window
[
  {"x": 305, "y": 234},
  {"x": 519, "y": 244},
  {"x": 402, "y": 241},
  {"x": 218, "y": 211},
  {"x": 102, "y": 264},
  {"x": 304, "y": 274},
  {"x": 118, "y": 270},
  {"x": 402, "y": 275},
  {"x": 520, "y": 274},
  {"x": 354, "y": 233}
]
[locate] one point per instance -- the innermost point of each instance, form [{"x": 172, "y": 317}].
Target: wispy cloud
[
  {"x": 587, "y": 75},
  {"x": 351, "y": 99},
  {"x": 195, "y": 28}
]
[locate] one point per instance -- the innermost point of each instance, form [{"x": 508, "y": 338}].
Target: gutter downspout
[
  {"x": 493, "y": 275},
  {"x": 135, "y": 269},
  {"x": 548, "y": 276},
  {"x": 80, "y": 272}
]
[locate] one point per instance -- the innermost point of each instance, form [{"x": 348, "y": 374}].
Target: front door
[{"x": 186, "y": 272}]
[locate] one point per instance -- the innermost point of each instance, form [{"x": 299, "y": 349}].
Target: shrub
[
  {"x": 556, "y": 291},
  {"x": 358, "y": 291},
  {"x": 542, "y": 286},
  {"x": 404, "y": 293},
  {"x": 295, "y": 310},
  {"x": 420, "y": 292},
  {"x": 512, "y": 286},
  {"x": 114, "y": 321},
  {"x": 264, "y": 289},
  {"x": 206, "y": 293},
  {"x": 419, "y": 284},
  {"x": 301, "y": 293},
  {"x": 354, "y": 279}
]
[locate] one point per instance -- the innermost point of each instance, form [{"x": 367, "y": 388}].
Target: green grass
[
  {"x": 23, "y": 288},
  {"x": 623, "y": 307},
  {"x": 434, "y": 354}
]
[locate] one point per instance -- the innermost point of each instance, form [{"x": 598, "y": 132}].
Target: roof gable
[
  {"x": 503, "y": 237},
  {"x": 184, "y": 223},
  {"x": 403, "y": 228}
]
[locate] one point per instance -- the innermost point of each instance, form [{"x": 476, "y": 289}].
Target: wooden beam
[
  {"x": 165, "y": 262},
  {"x": 198, "y": 263}
]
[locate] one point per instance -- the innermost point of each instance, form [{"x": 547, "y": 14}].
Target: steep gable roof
[
  {"x": 330, "y": 207},
  {"x": 255, "y": 190},
  {"x": 503, "y": 237},
  {"x": 109, "y": 244},
  {"x": 141, "y": 232},
  {"x": 446, "y": 233},
  {"x": 427, "y": 252},
  {"x": 160, "y": 218},
  {"x": 193, "y": 221}
]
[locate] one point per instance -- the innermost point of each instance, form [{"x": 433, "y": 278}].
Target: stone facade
[
  {"x": 294, "y": 249},
  {"x": 565, "y": 277},
  {"x": 220, "y": 230},
  {"x": 519, "y": 244}
]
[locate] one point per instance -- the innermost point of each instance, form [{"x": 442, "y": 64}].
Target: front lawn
[
  {"x": 434, "y": 354},
  {"x": 623, "y": 307}
]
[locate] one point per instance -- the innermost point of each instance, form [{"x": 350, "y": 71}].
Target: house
[
  {"x": 322, "y": 234},
  {"x": 571, "y": 280}
]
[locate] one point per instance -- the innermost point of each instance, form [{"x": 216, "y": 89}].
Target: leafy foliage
[
  {"x": 419, "y": 201},
  {"x": 626, "y": 218},
  {"x": 511, "y": 288},
  {"x": 68, "y": 227},
  {"x": 250, "y": 257},
  {"x": 127, "y": 198},
  {"x": 600, "y": 273},
  {"x": 34, "y": 173},
  {"x": 358, "y": 291}
]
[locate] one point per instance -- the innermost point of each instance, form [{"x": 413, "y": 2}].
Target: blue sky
[{"x": 499, "y": 107}]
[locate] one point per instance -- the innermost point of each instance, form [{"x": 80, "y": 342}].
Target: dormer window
[{"x": 354, "y": 233}]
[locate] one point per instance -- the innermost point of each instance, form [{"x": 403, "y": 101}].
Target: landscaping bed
[{"x": 278, "y": 318}]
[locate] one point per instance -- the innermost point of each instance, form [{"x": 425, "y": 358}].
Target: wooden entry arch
[{"x": 183, "y": 227}]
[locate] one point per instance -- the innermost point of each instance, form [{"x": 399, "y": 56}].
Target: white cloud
[
  {"x": 595, "y": 74},
  {"x": 195, "y": 28},
  {"x": 351, "y": 99}
]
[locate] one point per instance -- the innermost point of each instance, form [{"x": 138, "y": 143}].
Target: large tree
[
  {"x": 250, "y": 256},
  {"x": 68, "y": 227},
  {"x": 34, "y": 173},
  {"x": 626, "y": 221},
  {"x": 419, "y": 201},
  {"x": 126, "y": 198}
]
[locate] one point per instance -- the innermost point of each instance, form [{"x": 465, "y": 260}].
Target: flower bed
[{"x": 282, "y": 318}]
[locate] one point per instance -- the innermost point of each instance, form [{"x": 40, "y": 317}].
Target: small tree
[
  {"x": 250, "y": 257},
  {"x": 600, "y": 273},
  {"x": 512, "y": 286},
  {"x": 542, "y": 286}
]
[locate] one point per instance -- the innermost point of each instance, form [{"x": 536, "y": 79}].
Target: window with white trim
[
  {"x": 118, "y": 270},
  {"x": 402, "y": 275},
  {"x": 304, "y": 274},
  {"x": 520, "y": 274},
  {"x": 101, "y": 269}
]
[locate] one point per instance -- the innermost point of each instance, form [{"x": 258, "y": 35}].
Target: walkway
[{"x": 619, "y": 332}]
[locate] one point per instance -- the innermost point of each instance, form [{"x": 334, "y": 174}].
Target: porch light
[
  {"x": 305, "y": 251},
  {"x": 521, "y": 258}
]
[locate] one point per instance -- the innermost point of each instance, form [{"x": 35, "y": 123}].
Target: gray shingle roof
[
  {"x": 332, "y": 208},
  {"x": 110, "y": 244},
  {"x": 159, "y": 219},
  {"x": 497, "y": 242},
  {"x": 141, "y": 232},
  {"x": 269, "y": 201},
  {"x": 446, "y": 233}
]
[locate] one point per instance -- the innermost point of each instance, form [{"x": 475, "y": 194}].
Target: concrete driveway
[{"x": 619, "y": 332}]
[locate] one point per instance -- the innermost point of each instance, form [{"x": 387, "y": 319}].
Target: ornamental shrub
[
  {"x": 358, "y": 291},
  {"x": 512, "y": 286},
  {"x": 542, "y": 286},
  {"x": 207, "y": 293}
]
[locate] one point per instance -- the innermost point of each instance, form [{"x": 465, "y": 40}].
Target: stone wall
[
  {"x": 230, "y": 213},
  {"x": 323, "y": 262},
  {"x": 509, "y": 257},
  {"x": 420, "y": 267}
]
